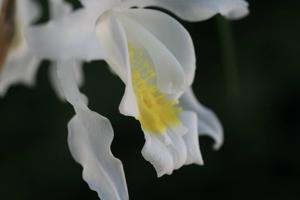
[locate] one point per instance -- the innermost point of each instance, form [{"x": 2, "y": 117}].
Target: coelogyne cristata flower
[
  {"x": 18, "y": 64},
  {"x": 154, "y": 56}
]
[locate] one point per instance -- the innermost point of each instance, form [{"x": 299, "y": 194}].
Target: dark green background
[{"x": 260, "y": 157}]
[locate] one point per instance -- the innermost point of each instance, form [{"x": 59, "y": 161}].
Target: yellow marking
[{"x": 157, "y": 112}]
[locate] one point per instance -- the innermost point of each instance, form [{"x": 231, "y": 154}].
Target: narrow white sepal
[
  {"x": 90, "y": 138},
  {"x": 208, "y": 122},
  {"x": 197, "y": 10}
]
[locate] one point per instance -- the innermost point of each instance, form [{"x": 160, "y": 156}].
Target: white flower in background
[
  {"x": 18, "y": 64},
  {"x": 154, "y": 56}
]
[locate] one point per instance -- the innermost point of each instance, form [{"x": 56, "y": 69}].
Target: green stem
[{"x": 228, "y": 54}]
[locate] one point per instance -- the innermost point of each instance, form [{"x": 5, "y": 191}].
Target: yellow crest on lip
[{"x": 157, "y": 112}]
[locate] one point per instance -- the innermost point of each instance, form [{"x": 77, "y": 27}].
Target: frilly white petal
[
  {"x": 197, "y": 10},
  {"x": 71, "y": 37},
  {"x": 191, "y": 140},
  {"x": 171, "y": 34},
  {"x": 90, "y": 138},
  {"x": 157, "y": 153},
  {"x": 208, "y": 123},
  {"x": 178, "y": 147}
]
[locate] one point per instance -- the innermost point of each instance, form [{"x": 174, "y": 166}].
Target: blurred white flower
[
  {"x": 18, "y": 64},
  {"x": 17, "y": 61},
  {"x": 154, "y": 56}
]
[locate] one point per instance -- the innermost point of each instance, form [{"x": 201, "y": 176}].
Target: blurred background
[{"x": 248, "y": 73}]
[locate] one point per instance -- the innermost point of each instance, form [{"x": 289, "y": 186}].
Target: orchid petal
[
  {"x": 171, "y": 34},
  {"x": 197, "y": 10},
  {"x": 90, "y": 138},
  {"x": 208, "y": 123},
  {"x": 191, "y": 140},
  {"x": 169, "y": 74},
  {"x": 112, "y": 35},
  {"x": 177, "y": 147},
  {"x": 156, "y": 152}
]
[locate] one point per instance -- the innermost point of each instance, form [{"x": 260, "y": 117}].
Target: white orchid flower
[
  {"x": 154, "y": 56},
  {"x": 18, "y": 64}
]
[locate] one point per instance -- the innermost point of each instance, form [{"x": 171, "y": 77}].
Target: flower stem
[{"x": 228, "y": 54}]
